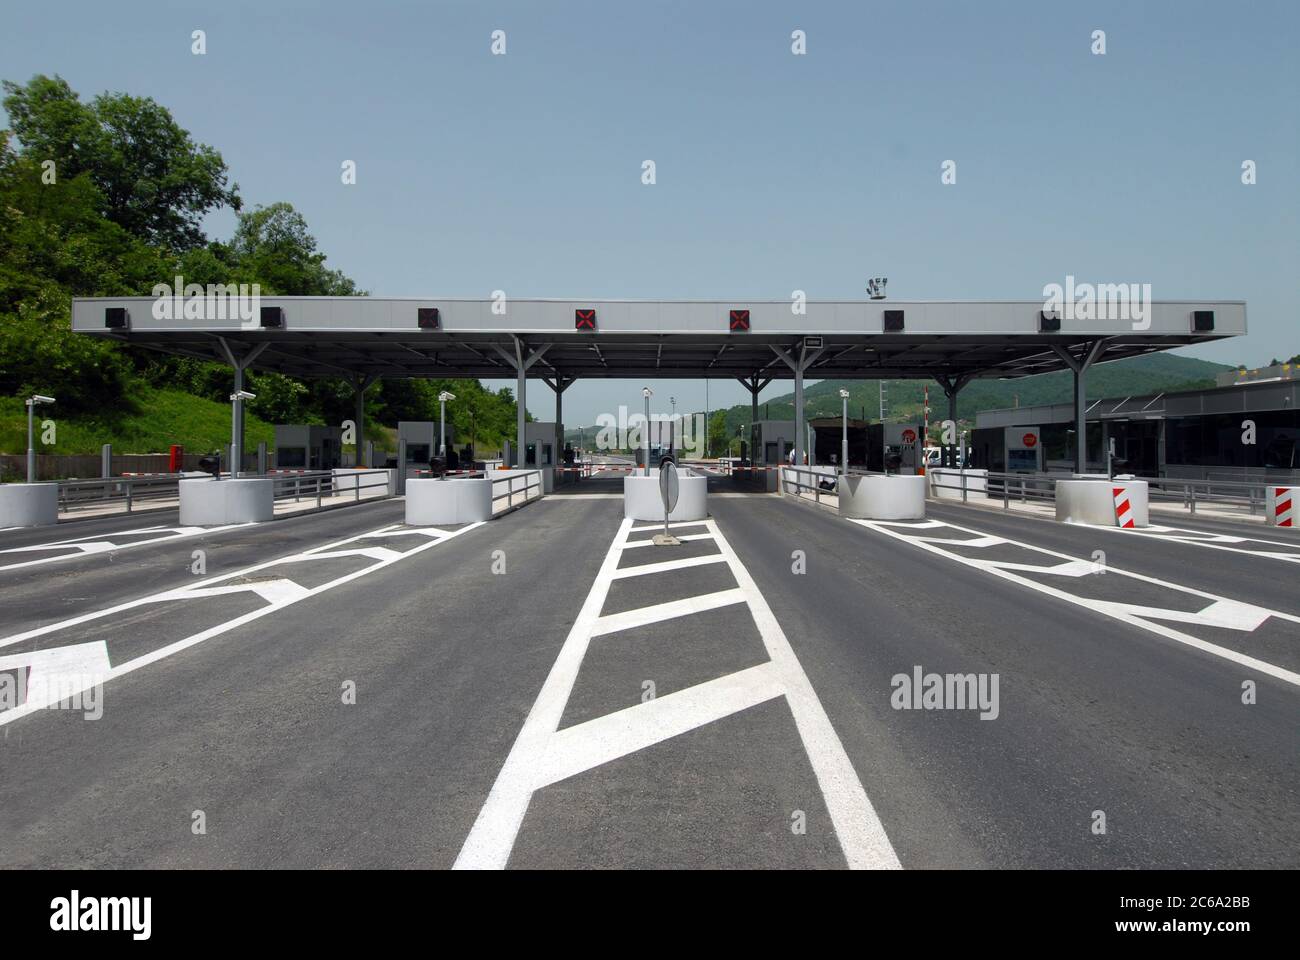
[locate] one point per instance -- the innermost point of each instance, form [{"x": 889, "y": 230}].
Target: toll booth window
[
  {"x": 546, "y": 455},
  {"x": 291, "y": 457},
  {"x": 530, "y": 455},
  {"x": 417, "y": 453},
  {"x": 1020, "y": 459}
]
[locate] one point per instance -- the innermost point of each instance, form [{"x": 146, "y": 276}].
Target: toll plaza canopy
[{"x": 560, "y": 341}]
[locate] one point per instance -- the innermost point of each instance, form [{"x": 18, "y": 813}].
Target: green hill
[
  {"x": 1154, "y": 373},
  {"x": 159, "y": 418}
]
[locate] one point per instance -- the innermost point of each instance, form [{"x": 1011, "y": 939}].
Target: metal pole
[
  {"x": 647, "y": 431},
  {"x": 31, "y": 450},
  {"x": 442, "y": 428},
  {"x": 236, "y": 423},
  {"x": 798, "y": 413},
  {"x": 521, "y": 417},
  {"x": 844, "y": 436},
  {"x": 359, "y": 415},
  {"x": 106, "y": 460}
]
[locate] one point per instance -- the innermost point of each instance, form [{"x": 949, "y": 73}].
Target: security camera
[
  {"x": 844, "y": 394},
  {"x": 446, "y": 395},
  {"x": 647, "y": 392},
  {"x": 242, "y": 395},
  {"x": 39, "y": 399}
]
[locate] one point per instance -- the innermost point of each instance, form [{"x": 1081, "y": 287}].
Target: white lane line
[
  {"x": 649, "y": 542},
  {"x": 85, "y": 546},
  {"x": 658, "y": 527},
  {"x": 544, "y": 754},
  {"x": 53, "y": 676},
  {"x": 1214, "y": 541},
  {"x": 584, "y": 746},
  {"x": 622, "y": 573},
  {"x": 279, "y": 593},
  {"x": 561, "y": 497},
  {"x": 861, "y": 834},
  {"x": 1214, "y": 614},
  {"x": 669, "y": 610}
]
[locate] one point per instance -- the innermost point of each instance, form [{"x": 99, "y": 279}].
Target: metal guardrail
[
  {"x": 531, "y": 479},
  {"x": 1041, "y": 488},
  {"x": 800, "y": 485},
  {"x": 80, "y": 494},
  {"x": 320, "y": 484}
]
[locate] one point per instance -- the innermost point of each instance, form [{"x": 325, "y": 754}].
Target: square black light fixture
[
  {"x": 812, "y": 343},
  {"x": 893, "y": 321},
  {"x": 427, "y": 318},
  {"x": 1202, "y": 321},
  {"x": 116, "y": 318},
  {"x": 1049, "y": 322},
  {"x": 739, "y": 321},
  {"x": 584, "y": 319},
  {"x": 272, "y": 317}
]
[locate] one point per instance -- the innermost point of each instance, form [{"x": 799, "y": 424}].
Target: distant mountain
[{"x": 1154, "y": 373}]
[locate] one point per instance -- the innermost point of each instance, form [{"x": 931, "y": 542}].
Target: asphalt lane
[
  {"x": 251, "y": 728},
  {"x": 37, "y": 595},
  {"x": 1095, "y": 715},
  {"x": 676, "y": 741},
  {"x": 1246, "y": 572}
]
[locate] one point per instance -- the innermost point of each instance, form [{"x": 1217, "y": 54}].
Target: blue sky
[{"x": 775, "y": 172}]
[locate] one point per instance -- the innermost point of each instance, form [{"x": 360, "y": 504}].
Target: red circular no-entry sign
[
  {"x": 909, "y": 436},
  {"x": 1029, "y": 440}
]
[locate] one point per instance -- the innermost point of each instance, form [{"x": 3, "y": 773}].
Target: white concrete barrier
[
  {"x": 1102, "y": 503},
  {"x": 430, "y": 502},
  {"x": 1281, "y": 505},
  {"x": 880, "y": 497},
  {"x": 206, "y": 502},
  {"x": 946, "y": 483},
  {"x": 642, "y": 501},
  {"x": 29, "y": 504}
]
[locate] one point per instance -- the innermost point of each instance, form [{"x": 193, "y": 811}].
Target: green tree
[{"x": 154, "y": 181}]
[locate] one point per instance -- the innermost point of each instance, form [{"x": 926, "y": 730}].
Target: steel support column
[
  {"x": 238, "y": 364},
  {"x": 521, "y": 360},
  {"x": 799, "y": 365},
  {"x": 754, "y": 385},
  {"x": 951, "y": 387},
  {"x": 360, "y": 384},
  {"x": 1080, "y": 364}
]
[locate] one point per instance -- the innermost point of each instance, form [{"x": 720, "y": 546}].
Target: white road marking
[
  {"x": 624, "y": 572},
  {"x": 278, "y": 592},
  {"x": 543, "y": 754},
  {"x": 85, "y": 546},
  {"x": 1219, "y": 612},
  {"x": 53, "y": 675},
  {"x": 649, "y": 541},
  {"x": 669, "y": 610},
  {"x": 1216, "y": 541},
  {"x": 561, "y": 497}
]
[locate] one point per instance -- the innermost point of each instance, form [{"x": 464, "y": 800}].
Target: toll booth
[
  {"x": 421, "y": 438},
  {"x": 772, "y": 442},
  {"x": 828, "y": 437},
  {"x": 308, "y": 446},
  {"x": 904, "y": 440},
  {"x": 539, "y": 444},
  {"x": 1024, "y": 449}
]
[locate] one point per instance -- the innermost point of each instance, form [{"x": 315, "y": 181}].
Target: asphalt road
[{"x": 548, "y": 689}]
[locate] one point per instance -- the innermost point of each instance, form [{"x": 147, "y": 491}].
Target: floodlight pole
[
  {"x": 844, "y": 433},
  {"x": 647, "y": 393}
]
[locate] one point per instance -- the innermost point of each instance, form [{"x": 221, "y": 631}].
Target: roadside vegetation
[{"x": 107, "y": 197}]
